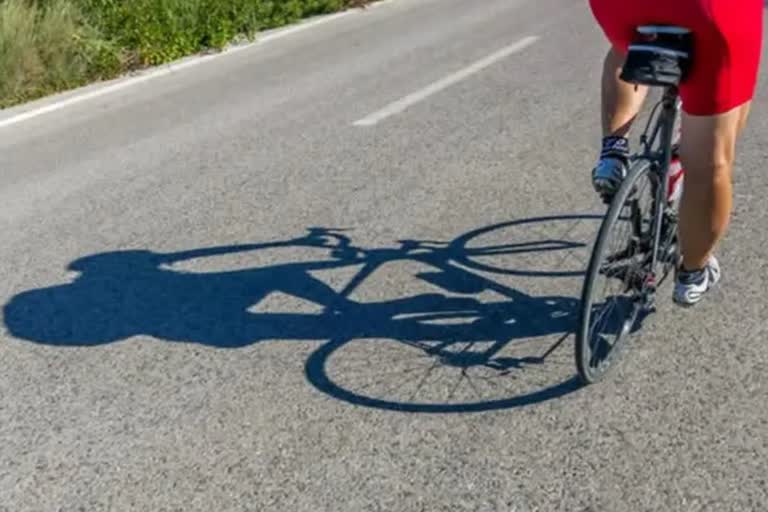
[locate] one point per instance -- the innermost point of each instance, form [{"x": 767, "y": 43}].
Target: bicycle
[{"x": 639, "y": 264}]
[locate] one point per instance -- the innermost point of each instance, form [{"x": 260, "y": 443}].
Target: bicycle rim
[{"x": 619, "y": 277}]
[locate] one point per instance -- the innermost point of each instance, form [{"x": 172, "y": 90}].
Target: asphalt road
[{"x": 322, "y": 274}]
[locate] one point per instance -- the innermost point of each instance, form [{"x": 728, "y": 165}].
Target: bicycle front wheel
[{"x": 619, "y": 277}]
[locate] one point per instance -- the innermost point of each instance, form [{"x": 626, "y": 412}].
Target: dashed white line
[{"x": 401, "y": 105}]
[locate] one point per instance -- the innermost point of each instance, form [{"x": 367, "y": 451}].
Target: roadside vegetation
[{"x": 53, "y": 45}]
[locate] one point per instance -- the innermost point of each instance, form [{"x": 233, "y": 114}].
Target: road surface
[{"x": 325, "y": 273}]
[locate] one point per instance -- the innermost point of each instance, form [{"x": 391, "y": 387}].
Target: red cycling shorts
[{"x": 727, "y": 37}]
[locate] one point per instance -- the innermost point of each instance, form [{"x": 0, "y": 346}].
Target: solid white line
[
  {"x": 122, "y": 84},
  {"x": 168, "y": 69},
  {"x": 401, "y": 105}
]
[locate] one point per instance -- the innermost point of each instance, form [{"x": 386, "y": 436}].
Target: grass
[{"x": 52, "y": 45}]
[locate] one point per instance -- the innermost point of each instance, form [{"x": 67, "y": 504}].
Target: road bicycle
[{"x": 637, "y": 246}]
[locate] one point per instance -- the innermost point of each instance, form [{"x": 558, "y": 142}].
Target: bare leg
[
  {"x": 621, "y": 101},
  {"x": 744, "y": 116},
  {"x": 707, "y": 150}
]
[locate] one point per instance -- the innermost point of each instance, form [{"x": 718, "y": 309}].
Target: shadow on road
[{"x": 447, "y": 351}]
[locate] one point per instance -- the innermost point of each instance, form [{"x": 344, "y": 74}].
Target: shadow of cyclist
[
  {"x": 118, "y": 295},
  {"x": 121, "y": 294}
]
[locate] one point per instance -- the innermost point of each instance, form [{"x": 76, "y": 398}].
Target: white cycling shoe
[{"x": 690, "y": 287}]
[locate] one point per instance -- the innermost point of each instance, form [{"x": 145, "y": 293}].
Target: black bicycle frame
[{"x": 660, "y": 158}]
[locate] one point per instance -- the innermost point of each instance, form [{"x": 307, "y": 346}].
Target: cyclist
[{"x": 716, "y": 97}]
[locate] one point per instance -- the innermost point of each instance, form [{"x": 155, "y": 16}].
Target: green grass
[
  {"x": 46, "y": 48},
  {"x": 53, "y": 45}
]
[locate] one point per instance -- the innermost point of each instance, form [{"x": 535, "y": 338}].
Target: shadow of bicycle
[{"x": 472, "y": 342}]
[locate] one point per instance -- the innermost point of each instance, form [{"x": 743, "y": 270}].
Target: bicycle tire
[{"x": 588, "y": 372}]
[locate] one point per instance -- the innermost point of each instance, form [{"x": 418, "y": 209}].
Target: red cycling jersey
[{"x": 727, "y": 38}]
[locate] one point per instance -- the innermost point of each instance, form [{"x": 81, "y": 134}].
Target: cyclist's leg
[
  {"x": 708, "y": 152},
  {"x": 744, "y": 116},
  {"x": 621, "y": 101},
  {"x": 716, "y": 98}
]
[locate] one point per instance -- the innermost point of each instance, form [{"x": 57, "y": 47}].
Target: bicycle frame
[{"x": 660, "y": 157}]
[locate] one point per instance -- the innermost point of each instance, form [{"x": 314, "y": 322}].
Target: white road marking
[
  {"x": 122, "y": 84},
  {"x": 401, "y": 105}
]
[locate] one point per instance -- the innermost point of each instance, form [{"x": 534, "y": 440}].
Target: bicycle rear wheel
[{"x": 619, "y": 283}]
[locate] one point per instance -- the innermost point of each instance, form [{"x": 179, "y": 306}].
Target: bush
[
  {"x": 50, "y": 45},
  {"x": 164, "y": 30}
]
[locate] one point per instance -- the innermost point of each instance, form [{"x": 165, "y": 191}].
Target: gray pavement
[{"x": 221, "y": 294}]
